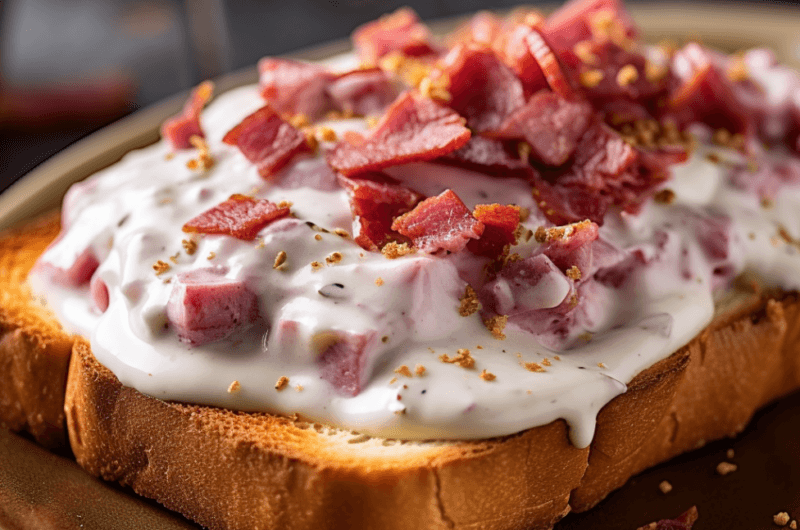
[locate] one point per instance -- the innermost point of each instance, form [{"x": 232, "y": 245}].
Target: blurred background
[{"x": 68, "y": 68}]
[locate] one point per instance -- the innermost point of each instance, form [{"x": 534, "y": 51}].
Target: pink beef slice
[
  {"x": 344, "y": 363},
  {"x": 205, "y": 306},
  {"x": 77, "y": 274},
  {"x": 362, "y": 92},
  {"x": 295, "y": 87},
  {"x": 179, "y": 129}
]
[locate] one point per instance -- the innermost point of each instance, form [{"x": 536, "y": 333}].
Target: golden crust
[{"x": 228, "y": 469}]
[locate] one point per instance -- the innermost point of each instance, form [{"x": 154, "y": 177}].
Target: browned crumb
[
  {"x": 311, "y": 141},
  {"x": 378, "y": 281},
  {"x": 169, "y": 156},
  {"x": 335, "y": 257},
  {"x": 713, "y": 158},
  {"x": 419, "y": 370},
  {"x": 487, "y": 376},
  {"x": 325, "y": 134},
  {"x": 665, "y": 487},
  {"x": 546, "y": 362},
  {"x": 361, "y": 438},
  {"x": 189, "y": 246},
  {"x": 583, "y": 50},
  {"x": 478, "y": 347},
  {"x": 793, "y": 525},
  {"x": 602, "y": 365},
  {"x": 316, "y": 265},
  {"x": 574, "y": 273},
  {"x": 211, "y": 255},
  {"x": 204, "y": 159},
  {"x": 318, "y": 237},
  {"x": 299, "y": 120},
  {"x": 280, "y": 259},
  {"x": 591, "y": 78},
  {"x": 737, "y": 71},
  {"x": 431, "y": 350},
  {"x": 469, "y": 302},
  {"x": 160, "y": 267},
  {"x": 654, "y": 72},
  {"x": 341, "y": 232},
  {"x": 285, "y": 204},
  {"x": 556, "y": 357},
  {"x": 234, "y": 387},
  {"x": 435, "y": 88},
  {"x": 524, "y": 151},
  {"x": 393, "y": 250},
  {"x": 729, "y": 454},
  {"x": 372, "y": 121},
  {"x": 534, "y": 367},
  {"x": 393, "y": 380},
  {"x": 524, "y": 213},
  {"x": 767, "y": 203},
  {"x": 665, "y": 196},
  {"x": 403, "y": 370},
  {"x": 463, "y": 358},
  {"x": 781, "y": 519},
  {"x": 627, "y": 75},
  {"x": 298, "y": 388},
  {"x": 400, "y": 412},
  {"x": 174, "y": 257},
  {"x": 724, "y": 468},
  {"x": 281, "y": 383},
  {"x": 496, "y": 325},
  {"x": 385, "y": 339},
  {"x": 725, "y": 138},
  {"x": 557, "y": 233}
]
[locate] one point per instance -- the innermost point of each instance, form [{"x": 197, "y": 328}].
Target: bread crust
[
  {"x": 228, "y": 469},
  {"x": 34, "y": 349}
]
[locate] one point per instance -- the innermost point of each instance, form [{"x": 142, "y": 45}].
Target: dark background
[{"x": 69, "y": 67}]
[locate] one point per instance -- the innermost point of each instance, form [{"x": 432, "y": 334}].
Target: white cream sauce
[{"x": 132, "y": 214}]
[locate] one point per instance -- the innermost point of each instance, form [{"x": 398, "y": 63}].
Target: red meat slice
[
  {"x": 400, "y": 31},
  {"x": 79, "y": 273},
  {"x": 375, "y": 200},
  {"x": 482, "y": 88},
  {"x": 500, "y": 226},
  {"x": 179, "y": 129},
  {"x": 513, "y": 47},
  {"x": 362, "y": 92},
  {"x": 573, "y": 248},
  {"x": 295, "y": 87},
  {"x": 484, "y": 27},
  {"x": 343, "y": 364},
  {"x": 266, "y": 140},
  {"x": 573, "y": 22},
  {"x": 240, "y": 216},
  {"x": 563, "y": 205},
  {"x": 551, "y": 125},
  {"x": 205, "y": 306},
  {"x": 489, "y": 155},
  {"x": 439, "y": 223},
  {"x": 413, "y": 129}
]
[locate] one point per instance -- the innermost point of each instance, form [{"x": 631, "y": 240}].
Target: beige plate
[{"x": 40, "y": 490}]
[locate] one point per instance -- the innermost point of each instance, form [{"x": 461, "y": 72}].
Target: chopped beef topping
[
  {"x": 414, "y": 128},
  {"x": 500, "y": 226},
  {"x": 375, "y": 200},
  {"x": 400, "y": 31},
  {"x": 179, "y": 129},
  {"x": 294, "y": 87},
  {"x": 240, "y": 216},
  {"x": 551, "y": 125},
  {"x": 488, "y": 155},
  {"x": 362, "y": 92},
  {"x": 482, "y": 88},
  {"x": 547, "y": 62},
  {"x": 344, "y": 362},
  {"x": 580, "y": 20},
  {"x": 440, "y": 223},
  {"x": 266, "y": 140}
]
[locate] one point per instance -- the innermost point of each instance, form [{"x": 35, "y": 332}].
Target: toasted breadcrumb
[
  {"x": 318, "y": 237},
  {"x": 627, "y": 75},
  {"x": 546, "y": 362},
  {"x": 487, "y": 376},
  {"x": 737, "y": 71},
  {"x": 341, "y": 232},
  {"x": 725, "y": 468},
  {"x": 469, "y": 302},
  {"x": 583, "y": 50},
  {"x": 665, "y": 196},
  {"x": 393, "y": 380},
  {"x": 729, "y": 454},
  {"x": 298, "y": 388},
  {"x": 189, "y": 246},
  {"x": 281, "y": 383},
  {"x": 556, "y": 357},
  {"x": 602, "y": 365},
  {"x": 781, "y": 519},
  {"x": 316, "y": 265},
  {"x": 325, "y": 134},
  {"x": 385, "y": 339},
  {"x": 496, "y": 325},
  {"x": 591, "y": 78},
  {"x": 524, "y": 151},
  {"x": 361, "y": 438},
  {"x": 574, "y": 273},
  {"x": 403, "y": 370},
  {"x": 665, "y": 487},
  {"x": 558, "y": 233},
  {"x": 524, "y": 213},
  {"x": 161, "y": 267},
  {"x": 335, "y": 257},
  {"x": 378, "y": 281},
  {"x": 419, "y": 370},
  {"x": 393, "y": 250},
  {"x": 299, "y": 120},
  {"x": 211, "y": 255},
  {"x": 793, "y": 525},
  {"x": 534, "y": 367},
  {"x": 280, "y": 259},
  {"x": 435, "y": 88},
  {"x": 463, "y": 358},
  {"x": 234, "y": 387},
  {"x": 169, "y": 156},
  {"x": 174, "y": 257},
  {"x": 655, "y": 72}
]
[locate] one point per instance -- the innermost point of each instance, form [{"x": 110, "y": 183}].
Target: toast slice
[{"x": 228, "y": 469}]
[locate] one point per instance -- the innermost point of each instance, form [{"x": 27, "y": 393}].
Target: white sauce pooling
[{"x": 132, "y": 214}]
